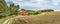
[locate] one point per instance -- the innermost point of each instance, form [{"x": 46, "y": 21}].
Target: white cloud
[
  {"x": 39, "y": 0},
  {"x": 28, "y": 3},
  {"x": 33, "y": 5},
  {"x": 39, "y": 3},
  {"x": 55, "y": 2},
  {"x": 44, "y": 4}
]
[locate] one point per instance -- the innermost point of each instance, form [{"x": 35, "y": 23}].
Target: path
[{"x": 7, "y": 21}]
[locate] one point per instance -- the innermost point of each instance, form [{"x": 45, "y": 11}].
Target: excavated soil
[{"x": 46, "y": 18}]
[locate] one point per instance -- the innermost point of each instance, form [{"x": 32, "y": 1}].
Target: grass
[
  {"x": 1, "y": 20},
  {"x": 5, "y": 18}
]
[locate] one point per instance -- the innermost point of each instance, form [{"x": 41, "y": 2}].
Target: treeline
[
  {"x": 32, "y": 12},
  {"x": 8, "y": 10},
  {"x": 11, "y": 10},
  {"x": 14, "y": 9}
]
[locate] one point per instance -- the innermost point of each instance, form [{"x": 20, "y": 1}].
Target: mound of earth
[
  {"x": 48, "y": 18},
  {"x": 50, "y": 13}
]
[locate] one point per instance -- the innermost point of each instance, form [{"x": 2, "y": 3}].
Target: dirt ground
[{"x": 46, "y": 18}]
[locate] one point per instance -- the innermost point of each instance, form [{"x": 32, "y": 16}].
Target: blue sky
[{"x": 37, "y": 4}]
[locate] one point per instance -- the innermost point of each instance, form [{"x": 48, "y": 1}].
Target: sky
[{"x": 36, "y": 4}]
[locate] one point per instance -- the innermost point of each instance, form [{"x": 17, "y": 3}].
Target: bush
[{"x": 31, "y": 12}]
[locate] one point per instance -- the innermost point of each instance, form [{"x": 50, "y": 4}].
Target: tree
[
  {"x": 14, "y": 10},
  {"x": 47, "y": 10},
  {"x": 3, "y": 8},
  {"x": 17, "y": 10},
  {"x": 31, "y": 12}
]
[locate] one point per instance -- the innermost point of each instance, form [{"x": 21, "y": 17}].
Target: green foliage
[
  {"x": 3, "y": 8},
  {"x": 31, "y": 12},
  {"x": 47, "y": 10},
  {"x": 17, "y": 10},
  {"x": 14, "y": 10}
]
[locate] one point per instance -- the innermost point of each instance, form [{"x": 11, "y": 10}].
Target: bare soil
[{"x": 46, "y": 18}]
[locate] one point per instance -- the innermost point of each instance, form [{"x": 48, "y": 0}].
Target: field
[{"x": 44, "y": 18}]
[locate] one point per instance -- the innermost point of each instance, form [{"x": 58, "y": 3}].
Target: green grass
[
  {"x": 2, "y": 20},
  {"x": 5, "y": 18}
]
